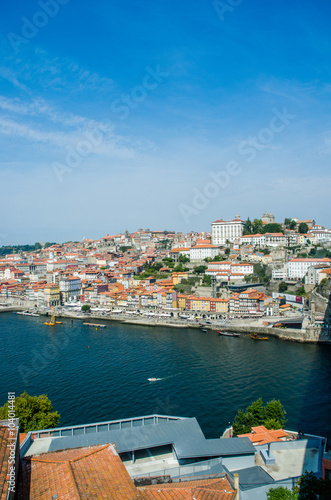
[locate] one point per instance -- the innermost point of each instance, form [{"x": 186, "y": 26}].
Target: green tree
[
  {"x": 282, "y": 287},
  {"x": 206, "y": 280},
  {"x": 227, "y": 251},
  {"x": 256, "y": 412},
  {"x": 301, "y": 291},
  {"x": 281, "y": 493},
  {"x": 310, "y": 487},
  {"x": 33, "y": 412},
  {"x": 290, "y": 224},
  {"x": 86, "y": 307},
  {"x": 275, "y": 411},
  {"x": 272, "y": 416},
  {"x": 303, "y": 228},
  {"x": 124, "y": 249},
  {"x": 273, "y": 228},
  {"x": 241, "y": 423},
  {"x": 200, "y": 269},
  {"x": 258, "y": 226},
  {"x": 248, "y": 227}
]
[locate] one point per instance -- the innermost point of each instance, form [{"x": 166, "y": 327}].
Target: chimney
[{"x": 236, "y": 485}]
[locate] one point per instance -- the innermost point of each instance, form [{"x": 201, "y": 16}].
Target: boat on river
[
  {"x": 228, "y": 334},
  {"x": 256, "y": 337}
]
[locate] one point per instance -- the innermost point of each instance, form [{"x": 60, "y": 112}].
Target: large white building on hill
[{"x": 223, "y": 231}]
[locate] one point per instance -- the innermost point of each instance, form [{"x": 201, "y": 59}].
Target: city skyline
[{"x": 167, "y": 115}]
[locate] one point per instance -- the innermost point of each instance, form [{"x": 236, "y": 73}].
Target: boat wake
[{"x": 164, "y": 378}]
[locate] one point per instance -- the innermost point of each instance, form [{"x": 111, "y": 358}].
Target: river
[{"x": 92, "y": 375}]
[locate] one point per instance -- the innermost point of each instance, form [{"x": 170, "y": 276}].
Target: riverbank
[{"x": 306, "y": 335}]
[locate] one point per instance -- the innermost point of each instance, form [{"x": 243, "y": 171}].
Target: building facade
[{"x": 223, "y": 231}]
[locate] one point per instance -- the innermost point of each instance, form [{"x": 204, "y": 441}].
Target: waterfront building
[
  {"x": 223, "y": 231},
  {"x": 49, "y": 295},
  {"x": 70, "y": 288},
  {"x": 202, "y": 304},
  {"x": 247, "y": 302}
]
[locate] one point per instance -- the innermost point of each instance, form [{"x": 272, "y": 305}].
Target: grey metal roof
[
  {"x": 185, "y": 435},
  {"x": 253, "y": 477}
]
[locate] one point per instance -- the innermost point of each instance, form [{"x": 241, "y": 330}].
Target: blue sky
[{"x": 120, "y": 115}]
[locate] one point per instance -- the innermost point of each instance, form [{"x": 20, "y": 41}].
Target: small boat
[
  {"x": 256, "y": 337},
  {"x": 204, "y": 330},
  {"x": 153, "y": 379},
  {"x": 229, "y": 334}
]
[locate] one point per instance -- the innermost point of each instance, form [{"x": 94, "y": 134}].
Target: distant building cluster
[{"x": 152, "y": 270}]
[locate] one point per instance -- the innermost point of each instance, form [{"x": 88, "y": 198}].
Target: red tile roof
[
  {"x": 97, "y": 472},
  {"x": 84, "y": 473}
]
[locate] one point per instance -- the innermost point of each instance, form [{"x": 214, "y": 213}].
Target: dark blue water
[{"x": 94, "y": 375}]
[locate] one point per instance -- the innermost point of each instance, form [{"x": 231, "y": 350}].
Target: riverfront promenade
[{"x": 243, "y": 326}]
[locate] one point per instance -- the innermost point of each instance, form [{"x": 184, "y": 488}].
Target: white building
[
  {"x": 264, "y": 240},
  {"x": 223, "y": 231},
  {"x": 315, "y": 274},
  {"x": 297, "y": 268},
  {"x": 229, "y": 271},
  {"x": 280, "y": 274},
  {"x": 204, "y": 251},
  {"x": 275, "y": 240},
  {"x": 322, "y": 236},
  {"x": 253, "y": 239}
]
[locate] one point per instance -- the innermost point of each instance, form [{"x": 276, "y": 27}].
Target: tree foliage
[
  {"x": 303, "y": 228},
  {"x": 290, "y": 224},
  {"x": 282, "y": 287},
  {"x": 206, "y": 280},
  {"x": 124, "y": 248},
  {"x": 275, "y": 411},
  {"x": 272, "y": 416},
  {"x": 10, "y": 249},
  {"x": 281, "y": 493},
  {"x": 310, "y": 487},
  {"x": 86, "y": 307},
  {"x": 200, "y": 269},
  {"x": 33, "y": 412}
]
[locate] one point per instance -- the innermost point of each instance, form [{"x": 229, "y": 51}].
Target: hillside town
[{"x": 237, "y": 269}]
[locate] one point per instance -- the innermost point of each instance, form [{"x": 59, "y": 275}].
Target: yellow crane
[{"x": 52, "y": 322}]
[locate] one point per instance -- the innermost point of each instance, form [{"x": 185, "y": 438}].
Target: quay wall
[{"x": 311, "y": 334}]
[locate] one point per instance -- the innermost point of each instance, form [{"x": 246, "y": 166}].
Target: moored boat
[
  {"x": 256, "y": 337},
  {"x": 228, "y": 334}
]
